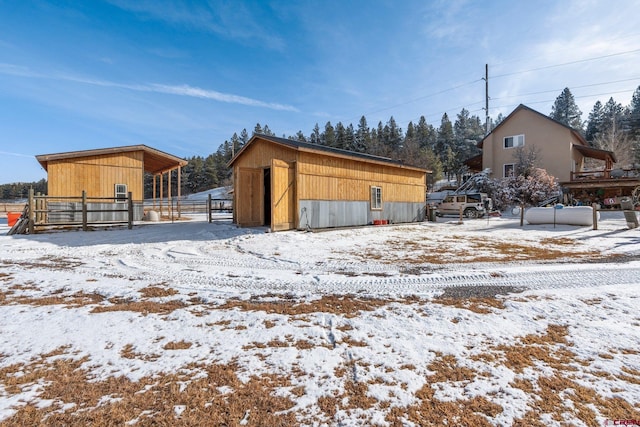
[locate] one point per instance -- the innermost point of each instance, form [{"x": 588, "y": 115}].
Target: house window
[
  {"x": 376, "y": 198},
  {"x": 121, "y": 193},
  {"x": 513, "y": 141},
  {"x": 509, "y": 170}
]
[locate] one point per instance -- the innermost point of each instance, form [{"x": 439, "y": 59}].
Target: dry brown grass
[
  {"x": 177, "y": 345},
  {"x": 48, "y": 262},
  {"x": 430, "y": 411},
  {"x": 77, "y": 399},
  {"x": 157, "y": 291},
  {"x": 143, "y": 307},
  {"x": 128, "y": 352},
  {"x": 476, "y": 305},
  {"x": 57, "y": 297},
  {"x": 344, "y": 305},
  {"x": 480, "y": 249}
]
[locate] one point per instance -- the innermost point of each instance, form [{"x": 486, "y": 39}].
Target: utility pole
[{"x": 486, "y": 96}]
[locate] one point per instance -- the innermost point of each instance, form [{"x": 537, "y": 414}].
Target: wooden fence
[
  {"x": 41, "y": 212},
  {"x": 80, "y": 211}
]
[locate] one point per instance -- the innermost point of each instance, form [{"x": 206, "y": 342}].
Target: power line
[
  {"x": 552, "y": 100},
  {"x": 419, "y": 98},
  {"x": 510, "y": 96},
  {"x": 566, "y": 63},
  {"x": 560, "y": 90}
]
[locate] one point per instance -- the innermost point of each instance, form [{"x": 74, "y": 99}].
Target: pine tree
[
  {"x": 393, "y": 135},
  {"x": 362, "y": 140},
  {"x": 350, "y": 138},
  {"x": 315, "y": 135},
  {"x": 300, "y": 137},
  {"x": 426, "y": 134},
  {"x": 594, "y": 123},
  {"x": 633, "y": 118},
  {"x": 444, "y": 145},
  {"x": 566, "y": 111},
  {"x": 328, "y": 137},
  {"x": 341, "y": 136},
  {"x": 244, "y": 136}
]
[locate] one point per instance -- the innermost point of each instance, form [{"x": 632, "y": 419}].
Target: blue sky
[{"x": 183, "y": 76}]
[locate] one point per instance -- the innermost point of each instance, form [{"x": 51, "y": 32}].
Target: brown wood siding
[
  {"x": 283, "y": 215},
  {"x": 97, "y": 175},
  {"x": 248, "y": 197},
  {"x": 260, "y": 155},
  {"x": 326, "y": 178}
]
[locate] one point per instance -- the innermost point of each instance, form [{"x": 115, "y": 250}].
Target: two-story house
[{"x": 561, "y": 151}]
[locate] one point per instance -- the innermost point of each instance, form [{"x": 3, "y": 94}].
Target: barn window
[
  {"x": 121, "y": 193},
  {"x": 376, "y": 198}
]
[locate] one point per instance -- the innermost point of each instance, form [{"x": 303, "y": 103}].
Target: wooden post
[
  {"x": 594, "y": 206},
  {"x": 84, "y": 211},
  {"x": 155, "y": 191},
  {"x": 38, "y": 217},
  {"x": 161, "y": 193},
  {"x": 169, "y": 195},
  {"x": 130, "y": 210},
  {"x": 32, "y": 212},
  {"x": 209, "y": 207},
  {"x": 461, "y": 213},
  {"x": 179, "y": 190},
  {"x": 521, "y": 214}
]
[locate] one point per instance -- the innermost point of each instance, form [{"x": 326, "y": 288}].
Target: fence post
[
  {"x": 32, "y": 212},
  {"x": 594, "y": 206},
  {"x": 84, "y": 211},
  {"x": 209, "y": 207},
  {"x": 521, "y": 214},
  {"x": 130, "y": 210}
]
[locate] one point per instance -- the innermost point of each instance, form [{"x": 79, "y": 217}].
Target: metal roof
[{"x": 307, "y": 146}]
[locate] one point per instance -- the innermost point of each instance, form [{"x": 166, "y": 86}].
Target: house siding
[{"x": 552, "y": 141}]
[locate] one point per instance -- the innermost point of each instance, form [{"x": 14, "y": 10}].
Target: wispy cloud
[
  {"x": 229, "y": 19},
  {"x": 8, "y": 153},
  {"x": 178, "y": 90}
]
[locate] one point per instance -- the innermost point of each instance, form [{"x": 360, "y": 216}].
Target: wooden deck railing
[{"x": 621, "y": 174}]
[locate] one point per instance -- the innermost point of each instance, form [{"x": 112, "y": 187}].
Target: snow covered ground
[{"x": 479, "y": 323}]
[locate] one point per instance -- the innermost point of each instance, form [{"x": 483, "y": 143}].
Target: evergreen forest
[{"x": 443, "y": 149}]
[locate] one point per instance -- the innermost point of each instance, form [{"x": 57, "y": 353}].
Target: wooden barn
[
  {"x": 109, "y": 172},
  {"x": 286, "y": 184}
]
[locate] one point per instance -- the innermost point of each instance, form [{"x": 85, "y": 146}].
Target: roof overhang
[
  {"x": 596, "y": 153},
  {"x": 155, "y": 161}
]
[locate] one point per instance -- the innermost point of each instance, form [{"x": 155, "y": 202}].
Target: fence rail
[
  {"x": 79, "y": 211},
  {"x": 43, "y": 211}
]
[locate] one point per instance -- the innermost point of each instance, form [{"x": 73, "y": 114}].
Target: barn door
[
  {"x": 249, "y": 197},
  {"x": 282, "y": 195}
]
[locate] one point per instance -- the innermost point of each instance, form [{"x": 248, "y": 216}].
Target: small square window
[
  {"x": 121, "y": 193},
  {"x": 376, "y": 198},
  {"x": 514, "y": 141},
  {"x": 509, "y": 170}
]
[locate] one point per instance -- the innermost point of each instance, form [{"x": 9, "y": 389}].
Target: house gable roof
[
  {"x": 521, "y": 107},
  {"x": 330, "y": 151},
  {"x": 155, "y": 161}
]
